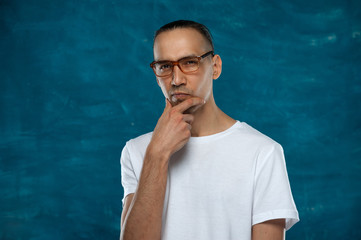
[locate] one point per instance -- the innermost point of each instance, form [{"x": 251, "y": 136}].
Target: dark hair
[{"x": 202, "y": 29}]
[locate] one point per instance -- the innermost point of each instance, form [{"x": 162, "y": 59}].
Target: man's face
[{"x": 176, "y": 44}]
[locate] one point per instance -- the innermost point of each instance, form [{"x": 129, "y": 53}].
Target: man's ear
[{"x": 217, "y": 66}]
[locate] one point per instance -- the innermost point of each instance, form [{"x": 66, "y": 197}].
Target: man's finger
[
  {"x": 167, "y": 103},
  {"x": 190, "y": 102},
  {"x": 188, "y": 118}
]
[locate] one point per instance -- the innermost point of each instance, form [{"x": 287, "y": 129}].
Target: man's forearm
[{"x": 144, "y": 217}]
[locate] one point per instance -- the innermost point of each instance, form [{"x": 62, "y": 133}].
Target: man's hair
[{"x": 202, "y": 29}]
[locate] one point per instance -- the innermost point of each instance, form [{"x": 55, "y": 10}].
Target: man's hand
[
  {"x": 142, "y": 218},
  {"x": 172, "y": 131}
]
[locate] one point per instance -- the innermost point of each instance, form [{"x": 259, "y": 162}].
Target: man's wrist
[{"x": 154, "y": 152}]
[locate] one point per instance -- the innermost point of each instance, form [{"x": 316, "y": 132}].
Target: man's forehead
[{"x": 179, "y": 43}]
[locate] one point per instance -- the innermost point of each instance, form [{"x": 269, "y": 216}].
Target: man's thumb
[{"x": 167, "y": 103}]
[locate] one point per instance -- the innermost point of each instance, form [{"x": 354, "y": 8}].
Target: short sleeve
[
  {"x": 272, "y": 193},
  {"x": 129, "y": 180}
]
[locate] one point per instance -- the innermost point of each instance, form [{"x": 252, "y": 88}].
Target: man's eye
[
  {"x": 164, "y": 66},
  {"x": 191, "y": 62}
]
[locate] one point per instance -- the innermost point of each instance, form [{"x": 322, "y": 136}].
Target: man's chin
[
  {"x": 190, "y": 110},
  {"x": 175, "y": 101}
]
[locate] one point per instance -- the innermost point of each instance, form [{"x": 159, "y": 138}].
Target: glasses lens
[
  {"x": 163, "y": 68},
  {"x": 189, "y": 64}
]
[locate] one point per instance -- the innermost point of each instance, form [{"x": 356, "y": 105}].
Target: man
[{"x": 201, "y": 174}]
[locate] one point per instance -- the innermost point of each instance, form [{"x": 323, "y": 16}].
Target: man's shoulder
[
  {"x": 254, "y": 136},
  {"x": 140, "y": 142}
]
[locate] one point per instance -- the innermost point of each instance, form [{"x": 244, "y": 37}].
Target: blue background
[{"x": 76, "y": 85}]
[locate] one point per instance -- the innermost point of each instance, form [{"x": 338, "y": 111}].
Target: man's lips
[{"x": 179, "y": 96}]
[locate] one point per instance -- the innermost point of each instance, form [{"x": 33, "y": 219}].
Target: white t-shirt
[{"x": 218, "y": 186}]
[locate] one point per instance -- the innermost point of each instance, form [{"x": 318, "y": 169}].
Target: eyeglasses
[{"x": 186, "y": 65}]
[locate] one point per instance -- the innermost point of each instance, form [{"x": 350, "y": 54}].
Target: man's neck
[{"x": 209, "y": 119}]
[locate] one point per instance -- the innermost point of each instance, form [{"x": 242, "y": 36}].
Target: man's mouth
[{"x": 179, "y": 96}]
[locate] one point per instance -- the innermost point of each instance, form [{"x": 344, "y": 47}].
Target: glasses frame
[{"x": 176, "y": 63}]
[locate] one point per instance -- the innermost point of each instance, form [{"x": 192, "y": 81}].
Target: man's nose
[{"x": 178, "y": 77}]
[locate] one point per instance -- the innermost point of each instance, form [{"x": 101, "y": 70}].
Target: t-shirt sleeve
[
  {"x": 129, "y": 180},
  {"x": 272, "y": 193}
]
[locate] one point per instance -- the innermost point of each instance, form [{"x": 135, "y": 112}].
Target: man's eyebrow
[{"x": 165, "y": 60}]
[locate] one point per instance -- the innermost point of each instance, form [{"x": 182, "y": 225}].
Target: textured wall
[{"x": 75, "y": 85}]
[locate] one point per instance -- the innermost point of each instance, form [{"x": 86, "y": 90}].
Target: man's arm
[
  {"x": 142, "y": 214},
  {"x": 269, "y": 230},
  {"x": 127, "y": 201},
  {"x": 143, "y": 219}
]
